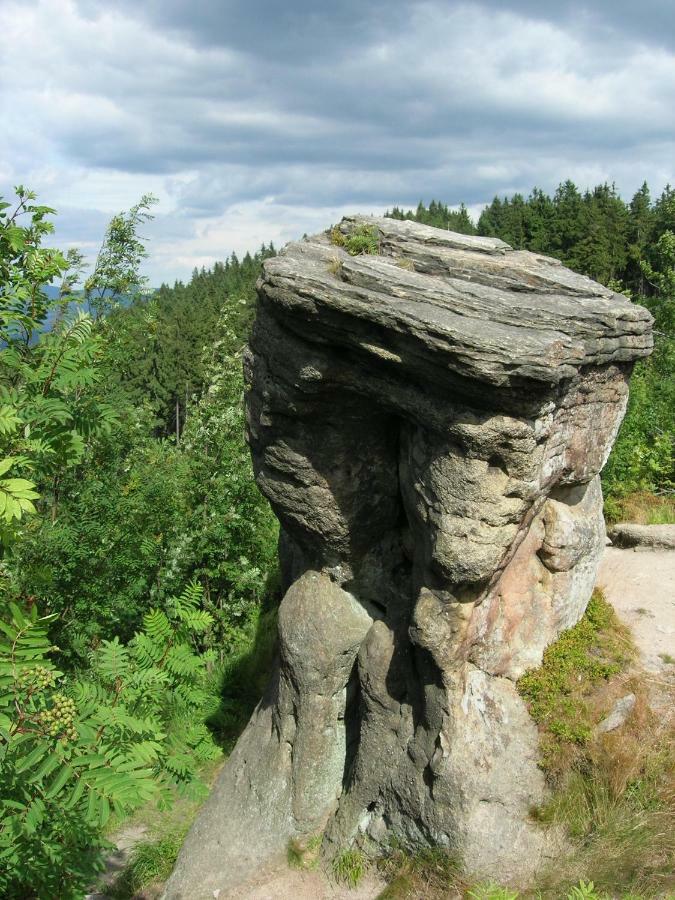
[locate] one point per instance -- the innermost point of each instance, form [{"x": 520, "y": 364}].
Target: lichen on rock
[{"x": 429, "y": 424}]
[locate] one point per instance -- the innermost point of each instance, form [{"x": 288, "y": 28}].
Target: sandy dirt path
[
  {"x": 284, "y": 883},
  {"x": 640, "y": 585}
]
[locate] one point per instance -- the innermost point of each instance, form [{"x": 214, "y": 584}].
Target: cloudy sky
[{"x": 258, "y": 120}]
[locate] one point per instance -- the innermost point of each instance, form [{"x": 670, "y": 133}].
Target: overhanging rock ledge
[{"x": 429, "y": 424}]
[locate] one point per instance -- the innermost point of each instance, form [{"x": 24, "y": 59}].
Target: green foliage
[
  {"x": 26, "y": 267},
  {"x": 74, "y": 750},
  {"x": 117, "y": 270},
  {"x": 130, "y": 519},
  {"x": 142, "y": 516},
  {"x": 48, "y": 404},
  {"x": 350, "y": 867},
  {"x": 643, "y": 458},
  {"x": 108, "y": 552},
  {"x": 593, "y": 650},
  {"x": 16, "y": 494},
  {"x": 158, "y": 352},
  {"x": 585, "y": 890}
]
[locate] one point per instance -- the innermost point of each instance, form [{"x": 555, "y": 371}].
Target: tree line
[{"x": 594, "y": 232}]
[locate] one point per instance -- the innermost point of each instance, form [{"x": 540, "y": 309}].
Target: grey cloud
[
  {"x": 315, "y": 30},
  {"x": 371, "y": 104}
]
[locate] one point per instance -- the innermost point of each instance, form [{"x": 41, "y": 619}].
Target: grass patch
[
  {"x": 613, "y": 794},
  {"x": 303, "y": 853},
  {"x": 335, "y": 265},
  {"x": 363, "y": 240},
  {"x": 431, "y": 873},
  {"x": 561, "y": 693},
  {"x": 617, "y": 804},
  {"x": 435, "y": 874},
  {"x": 350, "y": 867},
  {"x": 641, "y": 508},
  {"x": 151, "y": 863}
]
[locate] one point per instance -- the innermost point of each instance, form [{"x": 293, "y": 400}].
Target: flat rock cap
[{"x": 470, "y": 305}]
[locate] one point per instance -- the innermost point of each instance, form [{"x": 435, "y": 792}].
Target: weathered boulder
[
  {"x": 650, "y": 537},
  {"x": 429, "y": 424}
]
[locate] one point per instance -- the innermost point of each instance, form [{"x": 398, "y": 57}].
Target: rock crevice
[{"x": 429, "y": 424}]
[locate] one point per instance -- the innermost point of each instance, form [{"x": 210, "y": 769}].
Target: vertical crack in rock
[{"x": 429, "y": 425}]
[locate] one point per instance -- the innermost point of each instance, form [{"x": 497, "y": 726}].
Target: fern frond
[
  {"x": 112, "y": 659},
  {"x": 157, "y": 626}
]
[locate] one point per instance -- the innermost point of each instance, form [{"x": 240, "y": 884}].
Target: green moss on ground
[
  {"x": 583, "y": 657},
  {"x": 613, "y": 794}
]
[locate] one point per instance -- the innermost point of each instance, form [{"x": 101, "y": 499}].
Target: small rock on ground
[{"x": 618, "y": 715}]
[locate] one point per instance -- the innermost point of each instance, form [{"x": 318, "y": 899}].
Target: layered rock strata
[{"x": 429, "y": 424}]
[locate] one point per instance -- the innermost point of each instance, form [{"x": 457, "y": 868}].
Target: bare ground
[
  {"x": 640, "y": 585},
  {"x": 284, "y": 883}
]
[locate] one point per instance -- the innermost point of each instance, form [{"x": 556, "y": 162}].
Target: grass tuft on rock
[{"x": 363, "y": 240}]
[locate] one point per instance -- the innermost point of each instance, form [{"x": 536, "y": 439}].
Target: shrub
[{"x": 75, "y": 750}]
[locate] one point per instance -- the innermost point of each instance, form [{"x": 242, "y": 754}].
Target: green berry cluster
[
  {"x": 59, "y": 719},
  {"x": 38, "y": 677}
]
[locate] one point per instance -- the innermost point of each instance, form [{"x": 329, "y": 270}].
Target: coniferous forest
[{"x": 138, "y": 571}]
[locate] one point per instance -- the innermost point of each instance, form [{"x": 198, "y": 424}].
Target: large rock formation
[{"x": 428, "y": 424}]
